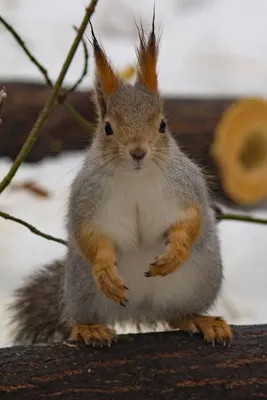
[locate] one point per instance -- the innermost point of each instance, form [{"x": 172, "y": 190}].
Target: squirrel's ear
[
  {"x": 147, "y": 56},
  {"x": 106, "y": 77}
]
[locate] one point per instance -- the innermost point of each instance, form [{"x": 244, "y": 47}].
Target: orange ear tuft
[
  {"x": 105, "y": 73},
  {"x": 147, "y": 56}
]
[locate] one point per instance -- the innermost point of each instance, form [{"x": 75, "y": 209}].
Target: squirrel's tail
[{"x": 37, "y": 307}]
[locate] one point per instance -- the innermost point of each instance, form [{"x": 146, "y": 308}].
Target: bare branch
[
  {"x": 3, "y": 97},
  {"x": 52, "y": 98},
  {"x": 61, "y": 96},
  {"x": 27, "y": 51},
  {"x": 32, "y": 228},
  {"x": 85, "y": 68},
  {"x": 84, "y": 124},
  {"x": 220, "y": 216},
  {"x": 242, "y": 218}
]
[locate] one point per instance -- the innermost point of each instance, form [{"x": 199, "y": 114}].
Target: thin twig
[
  {"x": 61, "y": 96},
  {"x": 84, "y": 124},
  {"x": 3, "y": 97},
  {"x": 241, "y": 218},
  {"x": 85, "y": 67},
  {"x": 44, "y": 113},
  {"x": 27, "y": 51},
  {"x": 32, "y": 228}
]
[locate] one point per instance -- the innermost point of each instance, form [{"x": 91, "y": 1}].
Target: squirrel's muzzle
[{"x": 138, "y": 153}]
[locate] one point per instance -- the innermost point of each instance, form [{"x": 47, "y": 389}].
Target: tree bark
[{"x": 169, "y": 365}]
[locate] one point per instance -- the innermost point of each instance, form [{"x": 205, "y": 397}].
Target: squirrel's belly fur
[
  {"x": 135, "y": 216},
  {"x": 136, "y": 210}
]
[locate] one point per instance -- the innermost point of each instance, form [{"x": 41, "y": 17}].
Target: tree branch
[
  {"x": 84, "y": 124},
  {"x": 61, "y": 96},
  {"x": 27, "y": 51},
  {"x": 242, "y": 218},
  {"x": 3, "y": 97},
  {"x": 32, "y": 228},
  {"x": 43, "y": 115},
  {"x": 220, "y": 216},
  {"x": 85, "y": 67}
]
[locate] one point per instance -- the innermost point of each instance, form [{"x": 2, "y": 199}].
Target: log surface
[{"x": 169, "y": 365}]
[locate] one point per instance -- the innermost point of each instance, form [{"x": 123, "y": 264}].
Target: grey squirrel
[{"x": 142, "y": 238}]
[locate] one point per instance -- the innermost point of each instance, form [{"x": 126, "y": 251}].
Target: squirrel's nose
[{"x": 138, "y": 153}]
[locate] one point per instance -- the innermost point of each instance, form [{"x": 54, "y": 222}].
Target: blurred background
[
  {"x": 207, "y": 47},
  {"x": 212, "y": 53}
]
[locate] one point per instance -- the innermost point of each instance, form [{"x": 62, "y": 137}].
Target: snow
[{"x": 207, "y": 48}]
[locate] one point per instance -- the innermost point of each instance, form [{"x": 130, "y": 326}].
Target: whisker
[
  {"x": 170, "y": 167},
  {"x": 101, "y": 156},
  {"x": 179, "y": 166},
  {"x": 201, "y": 171},
  {"x": 105, "y": 170}
]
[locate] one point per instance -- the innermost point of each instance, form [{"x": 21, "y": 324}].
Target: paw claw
[
  {"x": 124, "y": 301},
  {"x": 214, "y": 330},
  {"x": 166, "y": 263},
  {"x": 111, "y": 284},
  {"x": 148, "y": 274}
]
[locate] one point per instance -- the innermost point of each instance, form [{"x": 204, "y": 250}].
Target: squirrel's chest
[{"x": 137, "y": 211}]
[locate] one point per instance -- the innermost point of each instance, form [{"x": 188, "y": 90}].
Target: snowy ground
[{"x": 208, "y": 48}]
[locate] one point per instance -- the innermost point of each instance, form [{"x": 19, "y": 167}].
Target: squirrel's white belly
[
  {"x": 158, "y": 292},
  {"x": 137, "y": 213}
]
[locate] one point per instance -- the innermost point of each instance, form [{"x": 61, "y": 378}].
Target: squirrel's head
[{"x": 131, "y": 121}]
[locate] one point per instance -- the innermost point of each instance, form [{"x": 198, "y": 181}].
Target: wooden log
[
  {"x": 195, "y": 117},
  {"x": 169, "y": 365},
  {"x": 191, "y": 120}
]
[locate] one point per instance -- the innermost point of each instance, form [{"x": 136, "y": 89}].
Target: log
[
  {"x": 167, "y": 365},
  {"x": 192, "y": 122}
]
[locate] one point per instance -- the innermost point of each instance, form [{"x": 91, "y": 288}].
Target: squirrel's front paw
[
  {"x": 109, "y": 282},
  {"x": 175, "y": 255}
]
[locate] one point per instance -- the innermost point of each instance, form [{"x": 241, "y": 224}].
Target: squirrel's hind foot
[
  {"x": 94, "y": 335},
  {"x": 214, "y": 329}
]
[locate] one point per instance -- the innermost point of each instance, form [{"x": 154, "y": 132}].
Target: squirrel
[{"x": 142, "y": 237}]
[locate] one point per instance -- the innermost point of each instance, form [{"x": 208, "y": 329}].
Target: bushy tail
[{"x": 37, "y": 307}]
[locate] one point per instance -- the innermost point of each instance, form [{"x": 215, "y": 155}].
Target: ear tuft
[
  {"x": 147, "y": 56},
  {"x": 104, "y": 72},
  {"x": 99, "y": 98}
]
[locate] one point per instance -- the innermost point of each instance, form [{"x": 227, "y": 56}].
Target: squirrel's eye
[
  {"x": 162, "y": 127},
  {"x": 108, "y": 129}
]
